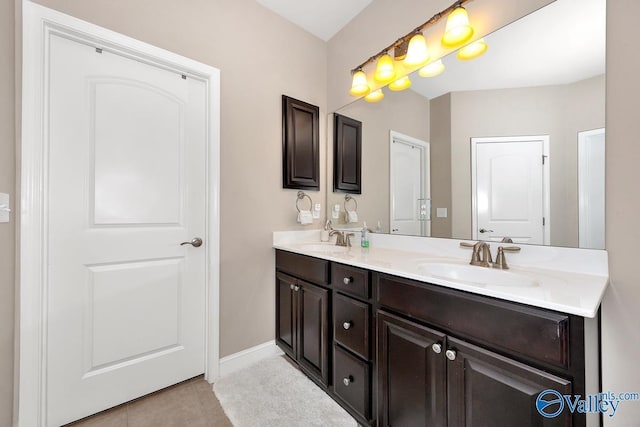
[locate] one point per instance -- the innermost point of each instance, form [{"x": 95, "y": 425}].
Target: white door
[
  {"x": 409, "y": 190},
  {"x": 591, "y": 188},
  {"x": 509, "y": 189},
  {"x": 125, "y": 303}
]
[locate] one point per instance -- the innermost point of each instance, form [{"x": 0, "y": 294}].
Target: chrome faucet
[
  {"x": 481, "y": 255},
  {"x": 342, "y": 239}
]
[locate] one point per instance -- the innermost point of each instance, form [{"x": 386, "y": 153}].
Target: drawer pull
[
  {"x": 347, "y": 380},
  {"x": 296, "y": 288},
  {"x": 347, "y": 280},
  {"x": 346, "y": 325},
  {"x": 451, "y": 354},
  {"x": 437, "y": 348}
]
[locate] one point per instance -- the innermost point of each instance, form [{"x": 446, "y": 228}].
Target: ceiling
[{"x": 322, "y": 18}]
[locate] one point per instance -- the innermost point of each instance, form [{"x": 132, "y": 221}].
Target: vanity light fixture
[
  {"x": 412, "y": 50},
  {"x": 417, "y": 53},
  {"x": 458, "y": 30},
  {"x": 359, "y": 85},
  {"x": 385, "y": 70},
  {"x": 432, "y": 69},
  {"x": 401, "y": 84},
  {"x": 375, "y": 96},
  {"x": 472, "y": 50}
]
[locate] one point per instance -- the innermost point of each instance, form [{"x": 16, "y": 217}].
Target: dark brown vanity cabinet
[
  {"x": 430, "y": 373},
  {"x": 302, "y": 313},
  {"x": 353, "y": 341}
]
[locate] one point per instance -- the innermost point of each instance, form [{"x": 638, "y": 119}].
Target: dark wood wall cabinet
[
  {"x": 300, "y": 144},
  {"x": 409, "y": 353},
  {"x": 347, "y": 154}
]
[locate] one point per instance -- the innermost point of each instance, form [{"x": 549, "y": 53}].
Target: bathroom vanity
[{"x": 396, "y": 343}]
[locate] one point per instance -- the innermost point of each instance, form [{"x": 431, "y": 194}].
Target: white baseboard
[{"x": 244, "y": 358}]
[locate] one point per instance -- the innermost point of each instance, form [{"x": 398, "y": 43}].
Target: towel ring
[
  {"x": 348, "y": 198},
  {"x": 302, "y": 195}
]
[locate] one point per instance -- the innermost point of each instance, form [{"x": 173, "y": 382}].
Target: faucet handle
[
  {"x": 467, "y": 245},
  {"x": 510, "y": 248},
  {"x": 347, "y": 238},
  {"x": 501, "y": 260}
]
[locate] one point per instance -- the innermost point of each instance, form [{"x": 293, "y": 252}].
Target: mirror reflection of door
[
  {"x": 409, "y": 186},
  {"x": 510, "y": 189},
  {"x": 591, "y": 188}
]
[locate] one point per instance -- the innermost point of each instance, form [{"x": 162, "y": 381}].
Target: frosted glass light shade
[
  {"x": 417, "y": 53},
  {"x": 401, "y": 84},
  {"x": 458, "y": 30},
  {"x": 385, "y": 70},
  {"x": 432, "y": 69},
  {"x": 374, "y": 96},
  {"x": 359, "y": 85},
  {"x": 472, "y": 50}
]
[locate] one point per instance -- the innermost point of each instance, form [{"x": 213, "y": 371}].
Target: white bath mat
[{"x": 273, "y": 393}]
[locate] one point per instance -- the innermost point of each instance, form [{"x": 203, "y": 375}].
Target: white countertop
[{"x": 568, "y": 280}]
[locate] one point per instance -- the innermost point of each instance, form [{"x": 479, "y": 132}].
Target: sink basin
[
  {"x": 477, "y": 275},
  {"x": 325, "y": 248}
]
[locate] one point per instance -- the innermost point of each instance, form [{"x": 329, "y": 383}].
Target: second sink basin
[{"x": 477, "y": 275}]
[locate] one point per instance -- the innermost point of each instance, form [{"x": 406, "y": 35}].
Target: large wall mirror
[{"x": 446, "y": 157}]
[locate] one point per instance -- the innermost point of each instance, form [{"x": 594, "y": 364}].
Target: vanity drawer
[
  {"x": 351, "y": 280},
  {"x": 351, "y": 326},
  {"x": 516, "y": 328},
  {"x": 312, "y": 269},
  {"x": 352, "y": 381}
]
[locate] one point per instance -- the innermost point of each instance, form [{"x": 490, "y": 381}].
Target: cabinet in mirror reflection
[{"x": 555, "y": 90}]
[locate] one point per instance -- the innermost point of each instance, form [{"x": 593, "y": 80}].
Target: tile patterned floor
[{"x": 190, "y": 403}]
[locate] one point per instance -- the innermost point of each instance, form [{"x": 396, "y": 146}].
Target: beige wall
[
  {"x": 7, "y": 231},
  {"x": 441, "y": 164},
  {"x": 558, "y": 111},
  {"x": 405, "y": 112},
  {"x": 620, "y": 314}
]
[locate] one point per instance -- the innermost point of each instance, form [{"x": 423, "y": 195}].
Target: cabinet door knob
[
  {"x": 437, "y": 348},
  {"x": 347, "y": 280},
  {"x": 347, "y": 380},
  {"x": 346, "y": 325},
  {"x": 451, "y": 354},
  {"x": 296, "y": 288},
  {"x": 291, "y": 286}
]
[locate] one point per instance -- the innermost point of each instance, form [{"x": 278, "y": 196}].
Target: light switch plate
[
  {"x": 5, "y": 208},
  {"x": 441, "y": 212}
]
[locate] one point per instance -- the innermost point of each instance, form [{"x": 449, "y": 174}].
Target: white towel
[
  {"x": 305, "y": 217},
  {"x": 351, "y": 217}
]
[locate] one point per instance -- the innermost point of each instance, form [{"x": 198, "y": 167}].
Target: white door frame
[
  {"x": 546, "y": 185},
  {"x": 39, "y": 23},
  {"x": 426, "y": 164}
]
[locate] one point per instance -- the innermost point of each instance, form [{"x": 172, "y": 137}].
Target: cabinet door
[
  {"x": 486, "y": 389},
  {"x": 313, "y": 331},
  {"x": 286, "y": 314},
  {"x": 411, "y": 375}
]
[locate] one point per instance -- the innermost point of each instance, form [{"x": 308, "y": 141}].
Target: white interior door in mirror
[
  {"x": 591, "y": 209},
  {"x": 125, "y": 306},
  {"x": 410, "y": 207},
  {"x": 510, "y": 189}
]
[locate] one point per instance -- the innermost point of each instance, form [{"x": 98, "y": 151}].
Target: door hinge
[
  {"x": 98, "y": 50},
  {"x": 544, "y": 221},
  {"x": 544, "y": 158},
  {"x": 184, "y": 77}
]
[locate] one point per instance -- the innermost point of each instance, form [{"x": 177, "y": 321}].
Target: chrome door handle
[
  {"x": 196, "y": 242},
  {"x": 484, "y": 230}
]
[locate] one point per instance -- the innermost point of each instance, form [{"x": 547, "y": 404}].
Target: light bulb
[
  {"x": 417, "y": 53},
  {"x": 472, "y": 50},
  {"x": 385, "y": 71},
  {"x": 359, "y": 85},
  {"x": 401, "y": 84},
  {"x": 374, "y": 96},
  {"x": 458, "y": 29},
  {"x": 432, "y": 69}
]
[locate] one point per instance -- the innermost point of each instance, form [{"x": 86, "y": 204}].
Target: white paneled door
[
  {"x": 510, "y": 189},
  {"x": 125, "y": 301}
]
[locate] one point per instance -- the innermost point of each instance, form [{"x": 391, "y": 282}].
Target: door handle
[
  {"x": 196, "y": 242},
  {"x": 484, "y": 230}
]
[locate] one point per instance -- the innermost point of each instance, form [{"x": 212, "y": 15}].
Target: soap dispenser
[{"x": 364, "y": 236}]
